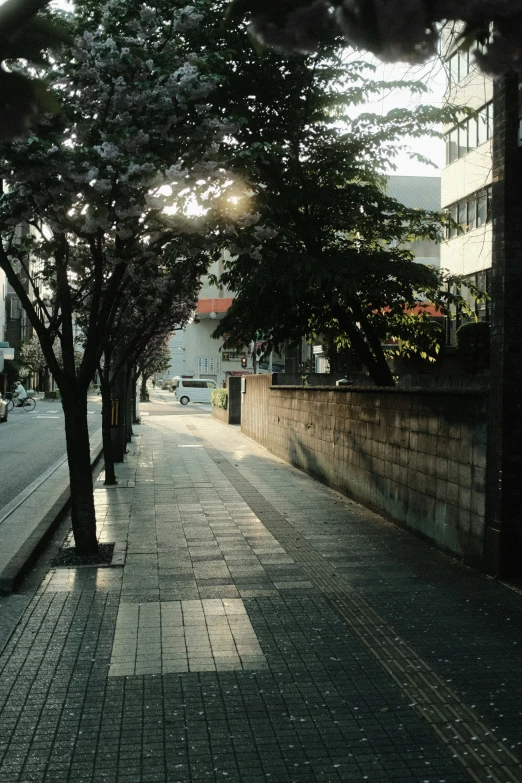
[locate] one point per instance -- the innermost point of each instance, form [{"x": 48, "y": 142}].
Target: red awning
[
  {"x": 427, "y": 309},
  {"x": 219, "y": 305}
]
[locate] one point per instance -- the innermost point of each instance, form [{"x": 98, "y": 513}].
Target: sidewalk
[{"x": 262, "y": 628}]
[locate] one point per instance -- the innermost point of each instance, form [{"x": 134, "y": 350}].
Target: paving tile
[{"x": 172, "y": 672}]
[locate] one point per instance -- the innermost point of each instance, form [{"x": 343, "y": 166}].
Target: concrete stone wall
[
  {"x": 417, "y": 456},
  {"x": 255, "y": 404},
  {"x": 220, "y": 414}
]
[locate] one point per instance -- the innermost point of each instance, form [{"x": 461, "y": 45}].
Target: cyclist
[{"x": 20, "y": 393}]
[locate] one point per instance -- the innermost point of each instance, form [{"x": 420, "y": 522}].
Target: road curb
[{"x": 13, "y": 572}]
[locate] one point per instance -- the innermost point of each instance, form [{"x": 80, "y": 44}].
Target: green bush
[
  {"x": 473, "y": 344},
  {"x": 219, "y": 398}
]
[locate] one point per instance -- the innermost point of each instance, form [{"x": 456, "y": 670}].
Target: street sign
[{"x": 115, "y": 412}]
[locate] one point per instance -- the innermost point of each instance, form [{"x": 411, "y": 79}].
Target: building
[
  {"x": 3, "y": 324},
  {"x": 418, "y": 193},
  {"x": 13, "y": 331},
  {"x": 195, "y": 353},
  {"x": 466, "y": 180}
]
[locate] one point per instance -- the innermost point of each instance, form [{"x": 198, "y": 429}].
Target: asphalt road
[
  {"x": 31, "y": 441},
  {"x": 163, "y": 403}
]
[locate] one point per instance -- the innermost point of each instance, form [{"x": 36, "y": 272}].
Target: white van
[{"x": 193, "y": 389}]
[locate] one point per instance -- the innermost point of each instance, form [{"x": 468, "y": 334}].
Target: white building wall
[
  {"x": 199, "y": 345},
  {"x": 467, "y": 174},
  {"x": 471, "y": 252},
  {"x": 177, "y": 354},
  {"x": 468, "y": 253},
  {"x": 194, "y": 352}
]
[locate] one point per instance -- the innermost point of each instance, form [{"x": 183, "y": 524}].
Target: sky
[{"x": 433, "y": 75}]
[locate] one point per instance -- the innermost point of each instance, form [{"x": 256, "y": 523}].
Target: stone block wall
[
  {"x": 416, "y": 456},
  {"x": 255, "y": 403},
  {"x": 220, "y": 414}
]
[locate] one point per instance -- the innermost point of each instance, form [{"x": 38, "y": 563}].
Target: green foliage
[
  {"x": 31, "y": 355},
  {"x": 93, "y": 182},
  {"x": 315, "y": 244},
  {"x": 101, "y": 190},
  {"x": 155, "y": 358},
  {"x": 25, "y": 36},
  {"x": 473, "y": 344},
  {"x": 219, "y": 398},
  {"x": 393, "y": 30}
]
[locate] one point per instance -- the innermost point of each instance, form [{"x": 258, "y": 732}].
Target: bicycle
[{"x": 28, "y": 404}]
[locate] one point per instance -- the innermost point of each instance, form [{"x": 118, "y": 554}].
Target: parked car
[
  {"x": 3, "y": 409},
  {"x": 193, "y": 389}
]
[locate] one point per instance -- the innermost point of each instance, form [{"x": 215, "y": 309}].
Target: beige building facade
[{"x": 467, "y": 177}]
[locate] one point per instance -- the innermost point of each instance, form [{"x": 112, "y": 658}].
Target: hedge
[{"x": 219, "y": 398}]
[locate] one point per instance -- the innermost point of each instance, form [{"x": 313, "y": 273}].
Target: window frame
[
  {"x": 475, "y": 130},
  {"x": 481, "y": 201}
]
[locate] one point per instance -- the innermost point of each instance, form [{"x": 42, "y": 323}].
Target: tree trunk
[
  {"x": 144, "y": 395},
  {"x": 380, "y": 372},
  {"x": 119, "y": 390},
  {"x": 108, "y": 455},
  {"x": 128, "y": 406},
  {"x": 374, "y": 360},
  {"x": 83, "y": 515},
  {"x": 134, "y": 382}
]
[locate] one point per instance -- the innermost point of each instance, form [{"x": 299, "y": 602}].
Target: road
[
  {"x": 163, "y": 403},
  {"x": 31, "y": 441}
]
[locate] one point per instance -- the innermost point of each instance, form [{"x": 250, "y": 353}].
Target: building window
[
  {"x": 471, "y": 212},
  {"x": 469, "y": 134},
  {"x": 460, "y": 66},
  {"x": 461, "y": 63},
  {"x": 482, "y": 280}
]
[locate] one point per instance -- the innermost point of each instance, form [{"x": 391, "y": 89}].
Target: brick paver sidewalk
[{"x": 263, "y": 628}]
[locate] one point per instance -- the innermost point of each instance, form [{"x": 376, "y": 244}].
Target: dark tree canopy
[
  {"x": 394, "y": 30},
  {"x": 314, "y": 242}
]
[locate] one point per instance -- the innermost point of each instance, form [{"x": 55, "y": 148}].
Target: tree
[
  {"x": 319, "y": 245},
  {"x": 153, "y": 309},
  {"x": 102, "y": 189},
  {"x": 391, "y": 29},
  {"x": 32, "y": 359},
  {"x": 155, "y": 359},
  {"x": 24, "y": 34},
  {"x": 356, "y": 300}
]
